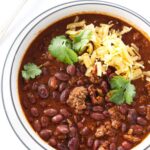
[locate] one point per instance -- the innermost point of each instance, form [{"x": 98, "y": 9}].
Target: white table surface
[{"x": 31, "y": 9}]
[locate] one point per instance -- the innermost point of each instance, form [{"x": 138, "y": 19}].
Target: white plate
[{"x": 10, "y": 97}]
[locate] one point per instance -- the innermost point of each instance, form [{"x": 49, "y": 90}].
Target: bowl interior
[{"x": 42, "y": 22}]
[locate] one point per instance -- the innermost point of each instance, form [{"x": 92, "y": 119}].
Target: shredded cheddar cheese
[{"x": 106, "y": 48}]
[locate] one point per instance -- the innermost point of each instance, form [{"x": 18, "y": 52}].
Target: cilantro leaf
[
  {"x": 122, "y": 90},
  {"x": 117, "y": 96},
  {"x": 30, "y": 71},
  {"x": 129, "y": 93},
  {"x": 81, "y": 40},
  {"x": 118, "y": 82},
  {"x": 60, "y": 48}
]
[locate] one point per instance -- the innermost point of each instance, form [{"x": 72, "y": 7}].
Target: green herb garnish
[
  {"x": 81, "y": 40},
  {"x": 122, "y": 90},
  {"x": 30, "y": 71},
  {"x": 60, "y": 48}
]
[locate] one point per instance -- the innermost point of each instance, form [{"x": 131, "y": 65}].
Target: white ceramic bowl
[{"x": 10, "y": 97}]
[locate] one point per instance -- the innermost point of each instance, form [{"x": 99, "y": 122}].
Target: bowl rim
[{"x": 71, "y": 4}]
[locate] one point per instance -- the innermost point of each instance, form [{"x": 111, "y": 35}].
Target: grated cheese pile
[{"x": 106, "y": 48}]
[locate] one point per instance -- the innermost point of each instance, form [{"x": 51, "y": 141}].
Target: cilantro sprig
[
  {"x": 122, "y": 91},
  {"x": 30, "y": 71},
  {"x": 81, "y": 40},
  {"x": 60, "y": 48}
]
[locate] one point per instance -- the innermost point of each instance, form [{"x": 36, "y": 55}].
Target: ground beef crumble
[
  {"x": 131, "y": 138},
  {"x": 95, "y": 95},
  {"x": 77, "y": 98},
  {"x": 105, "y": 129}
]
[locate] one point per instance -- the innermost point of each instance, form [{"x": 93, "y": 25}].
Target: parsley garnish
[
  {"x": 60, "y": 48},
  {"x": 30, "y": 71},
  {"x": 122, "y": 90}
]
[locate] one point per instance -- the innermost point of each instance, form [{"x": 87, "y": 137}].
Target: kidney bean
[
  {"x": 73, "y": 131},
  {"x": 96, "y": 144},
  {"x": 97, "y": 116},
  {"x": 43, "y": 91},
  {"x": 31, "y": 98},
  {"x": 142, "y": 110},
  {"x": 62, "y": 129},
  {"x": 34, "y": 112},
  {"x": 141, "y": 121},
  {"x": 80, "y": 125},
  {"x": 37, "y": 125},
  {"x": 132, "y": 116},
  {"x": 73, "y": 143},
  {"x": 44, "y": 121},
  {"x": 137, "y": 129},
  {"x": 112, "y": 146},
  {"x": 50, "y": 112},
  {"x": 80, "y": 82},
  {"x": 52, "y": 141},
  {"x": 62, "y": 86},
  {"x": 120, "y": 148},
  {"x": 56, "y": 95},
  {"x": 85, "y": 131},
  {"x": 71, "y": 70},
  {"x": 106, "y": 113},
  {"x": 53, "y": 83},
  {"x": 126, "y": 145},
  {"x": 65, "y": 112},
  {"x": 62, "y": 146},
  {"x": 57, "y": 119},
  {"x": 62, "y": 76},
  {"x": 98, "y": 108},
  {"x": 64, "y": 95},
  {"x": 123, "y": 109},
  {"x": 45, "y": 134},
  {"x": 90, "y": 141},
  {"x": 123, "y": 127}
]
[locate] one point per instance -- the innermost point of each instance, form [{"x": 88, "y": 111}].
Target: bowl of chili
[{"x": 77, "y": 77}]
